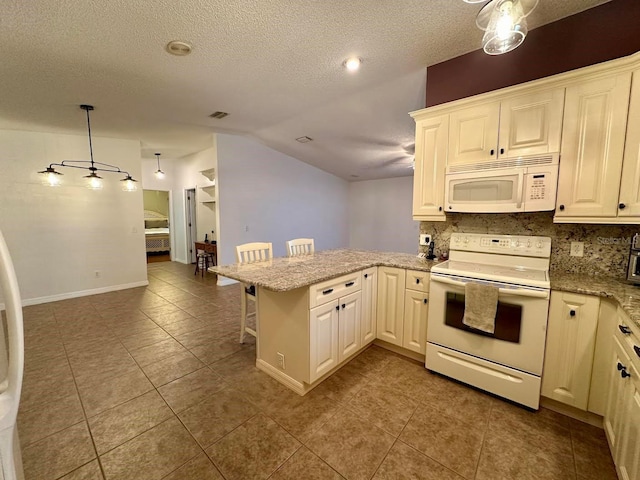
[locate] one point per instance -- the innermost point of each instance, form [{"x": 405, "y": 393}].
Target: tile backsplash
[{"x": 606, "y": 247}]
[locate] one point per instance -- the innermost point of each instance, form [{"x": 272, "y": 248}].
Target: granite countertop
[
  {"x": 627, "y": 295},
  {"x": 288, "y": 273}
]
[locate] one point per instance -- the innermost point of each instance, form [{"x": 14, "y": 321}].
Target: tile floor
[{"x": 151, "y": 383}]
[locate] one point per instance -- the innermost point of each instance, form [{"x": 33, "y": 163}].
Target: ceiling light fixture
[
  {"x": 159, "y": 173},
  {"x": 52, "y": 178},
  {"x": 304, "y": 139},
  {"x": 504, "y": 23},
  {"x": 352, "y": 64}
]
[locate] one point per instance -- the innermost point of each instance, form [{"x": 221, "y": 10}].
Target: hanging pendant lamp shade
[
  {"x": 159, "y": 173},
  {"x": 51, "y": 177},
  {"x": 505, "y": 24}
]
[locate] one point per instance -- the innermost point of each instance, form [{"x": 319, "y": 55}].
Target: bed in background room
[{"x": 156, "y": 232}]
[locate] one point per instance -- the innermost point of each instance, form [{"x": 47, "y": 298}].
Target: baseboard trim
[
  {"x": 400, "y": 350},
  {"x": 573, "y": 412},
  {"x": 224, "y": 281},
  {"x": 81, "y": 293},
  {"x": 282, "y": 377}
]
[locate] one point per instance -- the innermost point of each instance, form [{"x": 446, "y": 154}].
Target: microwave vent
[{"x": 504, "y": 163}]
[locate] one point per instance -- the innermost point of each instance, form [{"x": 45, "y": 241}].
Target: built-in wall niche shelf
[
  {"x": 209, "y": 203},
  {"x": 210, "y": 174},
  {"x": 209, "y": 189}
]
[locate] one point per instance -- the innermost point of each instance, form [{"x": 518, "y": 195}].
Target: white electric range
[{"x": 508, "y": 362}]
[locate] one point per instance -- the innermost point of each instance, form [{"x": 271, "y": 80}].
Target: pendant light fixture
[
  {"x": 51, "y": 177},
  {"x": 504, "y": 23},
  {"x": 159, "y": 173}
]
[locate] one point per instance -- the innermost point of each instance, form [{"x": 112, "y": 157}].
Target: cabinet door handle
[
  {"x": 622, "y": 206},
  {"x": 327, "y": 291},
  {"x": 636, "y": 349},
  {"x": 366, "y": 275},
  {"x": 417, "y": 281},
  {"x": 621, "y": 366},
  {"x": 425, "y": 301},
  {"x": 502, "y": 151},
  {"x": 439, "y": 209},
  {"x": 624, "y": 373},
  {"x": 624, "y": 329},
  {"x": 344, "y": 305},
  {"x": 350, "y": 284},
  {"x": 337, "y": 308},
  {"x": 561, "y": 207},
  {"x": 572, "y": 313},
  {"x": 492, "y": 151}
]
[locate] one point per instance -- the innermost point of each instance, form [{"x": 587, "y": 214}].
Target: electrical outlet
[
  {"x": 280, "y": 360},
  {"x": 97, "y": 273},
  {"x": 577, "y": 249},
  {"x": 425, "y": 239}
]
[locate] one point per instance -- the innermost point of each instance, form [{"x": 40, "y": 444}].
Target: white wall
[
  {"x": 380, "y": 215},
  {"x": 267, "y": 196},
  {"x": 58, "y": 237}
]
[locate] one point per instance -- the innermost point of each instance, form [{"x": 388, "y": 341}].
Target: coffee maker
[{"x": 633, "y": 272}]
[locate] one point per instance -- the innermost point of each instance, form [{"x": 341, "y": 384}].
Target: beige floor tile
[
  {"x": 370, "y": 362},
  {"x": 303, "y": 416},
  {"x": 49, "y": 418},
  {"x": 199, "y": 468},
  {"x": 203, "y": 336},
  {"x": 504, "y": 459},
  {"x": 592, "y": 457},
  {"x": 120, "y": 424},
  {"x": 342, "y": 385},
  {"x": 47, "y": 385},
  {"x": 235, "y": 366},
  {"x": 405, "y": 463},
  {"x": 263, "y": 391},
  {"x": 151, "y": 455},
  {"x": 218, "y": 349},
  {"x": 201, "y": 309},
  {"x": 129, "y": 327},
  {"x": 100, "y": 396},
  {"x": 157, "y": 351},
  {"x": 171, "y": 368},
  {"x": 90, "y": 471},
  {"x": 304, "y": 464},
  {"x": 445, "y": 439},
  {"x": 351, "y": 446},
  {"x": 39, "y": 355},
  {"x": 183, "y": 326},
  {"x": 167, "y": 317},
  {"x": 253, "y": 450},
  {"x": 143, "y": 339},
  {"x": 58, "y": 454},
  {"x": 211, "y": 419},
  {"x": 385, "y": 407},
  {"x": 102, "y": 368},
  {"x": 191, "y": 389}
]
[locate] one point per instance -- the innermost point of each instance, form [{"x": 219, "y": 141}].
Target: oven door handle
[{"x": 520, "y": 292}]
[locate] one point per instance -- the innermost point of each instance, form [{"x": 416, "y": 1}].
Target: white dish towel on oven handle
[{"x": 480, "y": 306}]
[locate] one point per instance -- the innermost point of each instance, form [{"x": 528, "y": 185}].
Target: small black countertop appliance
[{"x": 633, "y": 271}]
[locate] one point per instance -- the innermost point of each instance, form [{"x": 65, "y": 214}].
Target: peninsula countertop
[{"x": 288, "y": 273}]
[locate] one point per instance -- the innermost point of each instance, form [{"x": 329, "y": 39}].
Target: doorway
[
  {"x": 157, "y": 225},
  {"x": 190, "y": 208}
]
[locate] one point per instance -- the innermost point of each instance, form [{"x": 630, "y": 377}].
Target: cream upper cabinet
[
  {"x": 430, "y": 163},
  {"x": 522, "y": 125},
  {"x": 571, "y": 337},
  {"x": 593, "y": 137},
  {"x": 630, "y": 183},
  {"x": 474, "y": 133},
  {"x": 391, "y": 283}
]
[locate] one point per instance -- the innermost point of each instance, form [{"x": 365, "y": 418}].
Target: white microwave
[{"x": 513, "y": 185}]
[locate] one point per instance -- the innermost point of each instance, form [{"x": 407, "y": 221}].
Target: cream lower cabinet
[
  {"x": 569, "y": 353},
  {"x": 403, "y": 307},
  {"x": 628, "y": 464},
  {"x": 369, "y": 305},
  {"x": 334, "y": 332},
  {"x": 593, "y": 138},
  {"x": 391, "y": 286}
]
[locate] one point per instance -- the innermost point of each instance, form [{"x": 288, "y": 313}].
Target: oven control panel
[{"x": 522, "y": 245}]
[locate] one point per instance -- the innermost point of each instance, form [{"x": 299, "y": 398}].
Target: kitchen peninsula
[{"x": 315, "y": 312}]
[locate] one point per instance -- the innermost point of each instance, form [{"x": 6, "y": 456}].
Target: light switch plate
[
  {"x": 577, "y": 249},
  {"x": 425, "y": 239}
]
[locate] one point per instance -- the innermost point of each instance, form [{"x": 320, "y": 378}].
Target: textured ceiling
[{"x": 274, "y": 65}]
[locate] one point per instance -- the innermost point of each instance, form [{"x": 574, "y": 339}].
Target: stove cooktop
[{"x": 500, "y": 273}]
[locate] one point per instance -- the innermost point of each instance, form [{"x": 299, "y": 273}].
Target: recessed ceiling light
[
  {"x": 304, "y": 139},
  {"x": 219, "y": 115},
  {"x": 352, "y": 64},
  {"x": 178, "y": 48}
]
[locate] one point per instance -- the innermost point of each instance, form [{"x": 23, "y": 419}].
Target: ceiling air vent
[
  {"x": 218, "y": 115},
  {"x": 304, "y": 139}
]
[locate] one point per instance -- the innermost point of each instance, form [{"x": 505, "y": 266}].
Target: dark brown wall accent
[{"x": 596, "y": 35}]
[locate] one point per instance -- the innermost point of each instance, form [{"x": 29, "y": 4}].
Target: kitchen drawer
[
  {"x": 333, "y": 289},
  {"x": 417, "y": 280}
]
